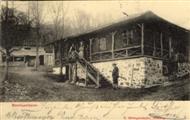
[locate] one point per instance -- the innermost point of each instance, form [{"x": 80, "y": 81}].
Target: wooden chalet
[{"x": 144, "y": 47}]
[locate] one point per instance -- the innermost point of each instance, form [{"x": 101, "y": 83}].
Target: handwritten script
[{"x": 156, "y": 110}]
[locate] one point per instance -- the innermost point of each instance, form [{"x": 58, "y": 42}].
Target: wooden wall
[
  {"x": 114, "y": 44},
  {"x": 149, "y": 38}
]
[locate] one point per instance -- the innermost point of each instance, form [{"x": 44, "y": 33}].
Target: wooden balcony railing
[{"x": 117, "y": 53}]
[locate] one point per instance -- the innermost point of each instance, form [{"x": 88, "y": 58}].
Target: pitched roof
[{"x": 130, "y": 19}]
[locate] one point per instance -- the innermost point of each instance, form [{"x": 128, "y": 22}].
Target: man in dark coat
[{"x": 115, "y": 75}]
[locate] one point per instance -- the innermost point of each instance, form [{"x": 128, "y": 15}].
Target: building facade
[
  {"x": 26, "y": 55},
  {"x": 145, "y": 48}
]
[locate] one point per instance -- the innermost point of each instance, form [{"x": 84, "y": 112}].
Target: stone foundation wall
[
  {"x": 153, "y": 71},
  {"x": 131, "y": 71},
  {"x": 134, "y": 73},
  {"x": 183, "y": 69}
]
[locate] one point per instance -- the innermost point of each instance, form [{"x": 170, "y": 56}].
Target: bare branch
[
  {"x": 81, "y": 21},
  {"x": 58, "y": 11}
]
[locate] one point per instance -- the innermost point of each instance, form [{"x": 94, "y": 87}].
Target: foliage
[{"x": 14, "y": 27}]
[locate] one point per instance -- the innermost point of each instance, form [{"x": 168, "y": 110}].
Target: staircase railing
[
  {"x": 89, "y": 74},
  {"x": 92, "y": 72}
]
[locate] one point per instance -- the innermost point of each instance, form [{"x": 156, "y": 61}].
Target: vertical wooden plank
[
  {"x": 170, "y": 47},
  {"x": 90, "y": 47},
  {"x": 86, "y": 75},
  {"x": 76, "y": 71},
  {"x": 161, "y": 43},
  {"x": 70, "y": 79},
  {"x": 142, "y": 39},
  {"x": 113, "y": 42}
]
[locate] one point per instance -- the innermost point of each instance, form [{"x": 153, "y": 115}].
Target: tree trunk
[
  {"x": 37, "y": 47},
  {"x": 61, "y": 68},
  {"x": 5, "y": 79},
  {"x": 37, "y": 57},
  {"x": 61, "y": 62},
  {"x": 6, "y": 68}
]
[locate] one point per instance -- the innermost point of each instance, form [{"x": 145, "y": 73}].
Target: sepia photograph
[{"x": 94, "y": 51}]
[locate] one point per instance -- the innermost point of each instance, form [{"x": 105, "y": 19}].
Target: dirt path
[
  {"x": 24, "y": 71},
  {"x": 29, "y": 85}
]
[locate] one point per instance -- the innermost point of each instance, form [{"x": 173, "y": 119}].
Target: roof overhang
[{"x": 132, "y": 19}]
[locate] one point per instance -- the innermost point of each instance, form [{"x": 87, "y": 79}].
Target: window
[
  {"x": 27, "y": 48},
  {"x": 95, "y": 44},
  {"x": 102, "y": 42},
  {"x": 124, "y": 38},
  {"x": 99, "y": 44},
  {"x": 127, "y": 37},
  {"x": 19, "y": 59}
]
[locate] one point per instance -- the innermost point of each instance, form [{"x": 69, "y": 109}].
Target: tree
[
  {"x": 58, "y": 12},
  {"x": 14, "y": 29},
  {"x": 37, "y": 20},
  {"x": 81, "y": 21}
]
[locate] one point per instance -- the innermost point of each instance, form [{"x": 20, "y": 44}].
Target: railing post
[
  {"x": 90, "y": 47},
  {"x": 161, "y": 43},
  {"x": 154, "y": 49},
  {"x": 142, "y": 39},
  {"x": 86, "y": 72},
  {"x": 98, "y": 79},
  {"x": 113, "y": 43},
  {"x": 126, "y": 51}
]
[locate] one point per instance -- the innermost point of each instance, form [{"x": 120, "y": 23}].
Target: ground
[{"x": 29, "y": 85}]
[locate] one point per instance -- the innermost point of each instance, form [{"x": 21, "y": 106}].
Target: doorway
[{"x": 41, "y": 60}]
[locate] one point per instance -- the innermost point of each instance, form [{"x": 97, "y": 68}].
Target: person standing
[
  {"x": 71, "y": 54},
  {"x": 81, "y": 49},
  {"x": 115, "y": 76},
  {"x": 71, "y": 51}
]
